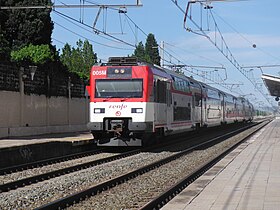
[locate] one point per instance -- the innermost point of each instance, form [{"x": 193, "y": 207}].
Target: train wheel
[
  {"x": 197, "y": 126},
  {"x": 153, "y": 138}
]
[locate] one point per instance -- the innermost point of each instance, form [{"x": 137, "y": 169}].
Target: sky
[{"x": 249, "y": 30}]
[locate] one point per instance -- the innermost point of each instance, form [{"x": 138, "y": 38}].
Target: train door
[
  {"x": 235, "y": 114},
  {"x": 160, "y": 99},
  {"x": 203, "y": 105},
  {"x": 196, "y": 107},
  {"x": 169, "y": 107},
  {"x": 223, "y": 108},
  {"x": 204, "y": 111},
  {"x": 243, "y": 110}
]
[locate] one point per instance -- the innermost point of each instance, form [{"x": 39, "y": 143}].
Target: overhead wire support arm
[
  {"x": 73, "y": 6},
  {"x": 97, "y": 16},
  {"x": 262, "y": 66},
  {"x": 96, "y": 30},
  {"x": 212, "y": 76}
]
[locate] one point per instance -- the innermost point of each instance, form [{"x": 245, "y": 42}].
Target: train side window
[
  {"x": 182, "y": 113},
  {"x": 181, "y": 85}
]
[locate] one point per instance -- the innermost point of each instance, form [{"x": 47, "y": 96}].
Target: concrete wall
[{"x": 22, "y": 115}]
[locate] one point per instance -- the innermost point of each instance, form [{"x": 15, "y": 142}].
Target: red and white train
[{"x": 130, "y": 102}]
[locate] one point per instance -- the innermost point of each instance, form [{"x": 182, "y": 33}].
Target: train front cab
[{"x": 119, "y": 110}]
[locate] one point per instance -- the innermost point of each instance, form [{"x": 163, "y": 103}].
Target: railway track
[
  {"x": 63, "y": 165},
  {"x": 22, "y": 167},
  {"x": 66, "y": 170},
  {"x": 117, "y": 173},
  {"x": 160, "y": 183},
  {"x": 163, "y": 198}
]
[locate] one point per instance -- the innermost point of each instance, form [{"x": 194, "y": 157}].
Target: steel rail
[
  {"x": 166, "y": 196},
  {"x": 49, "y": 175},
  {"x": 25, "y": 166},
  {"x": 79, "y": 196},
  {"x": 27, "y": 181}
]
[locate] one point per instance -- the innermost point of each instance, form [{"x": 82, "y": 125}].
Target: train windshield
[{"x": 120, "y": 88}]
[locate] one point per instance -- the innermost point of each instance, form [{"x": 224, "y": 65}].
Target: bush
[{"x": 36, "y": 54}]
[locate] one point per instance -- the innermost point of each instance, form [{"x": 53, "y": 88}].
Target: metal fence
[
  {"x": 9, "y": 78},
  {"x": 52, "y": 80}
]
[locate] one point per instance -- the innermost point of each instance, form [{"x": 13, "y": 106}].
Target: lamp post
[
  {"x": 22, "y": 76},
  {"x": 32, "y": 71}
]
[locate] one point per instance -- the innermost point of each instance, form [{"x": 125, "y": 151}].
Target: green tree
[
  {"x": 65, "y": 57},
  {"x": 4, "y": 44},
  {"x": 20, "y": 27},
  {"x": 79, "y": 60},
  {"x": 149, "y": 53},
  {"x": 140, "y": 53},
  {"x": 32, "y": 54},
  {"x": 151, "y": 49},
  {"x": 4, "y": 48}
]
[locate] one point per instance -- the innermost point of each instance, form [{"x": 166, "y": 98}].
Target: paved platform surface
[
  {"x": 64, "y": 137},
  {"x": 247, "y": 178}
]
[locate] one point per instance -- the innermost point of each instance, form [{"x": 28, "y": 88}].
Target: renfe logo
[
  {"x": 121, "y": 107},
  {"x": 97, "y": 73}
]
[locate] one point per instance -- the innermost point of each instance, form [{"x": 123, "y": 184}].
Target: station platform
[
  {"x": 22, "y": 150},
  {"x": 74, "y": 137},
  {"x": 247, "y": 178}
]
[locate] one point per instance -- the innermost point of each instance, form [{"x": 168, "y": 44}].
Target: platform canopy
[{"x": 273, "y": 84}]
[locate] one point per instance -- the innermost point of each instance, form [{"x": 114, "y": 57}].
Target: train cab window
[{"x": 119, "y": 88}]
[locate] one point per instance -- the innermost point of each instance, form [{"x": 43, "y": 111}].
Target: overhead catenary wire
[
  {"x": 200, "y": 73},
  {"x": 109, "y": 46},
  {"x": 96, "y": 30},
  {"x": 99, "y": 32},
  {"x": 184, "y": 50},
  {"x": 245, "y": 38},
  {"x": 170, "y": 55},
  {"x": 222, "y": 47},
  {"x": 127, "y": 18},
  {"x": 61, "y": 42},
  {"x": 81, "y": 26}
]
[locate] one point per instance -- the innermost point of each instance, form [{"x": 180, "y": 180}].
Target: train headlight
[
  {"x": 99, "y": 110},
  {"x": 136, "y": 110}
]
